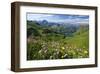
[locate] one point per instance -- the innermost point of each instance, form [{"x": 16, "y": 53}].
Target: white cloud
[{"x": 54, "y": 18}]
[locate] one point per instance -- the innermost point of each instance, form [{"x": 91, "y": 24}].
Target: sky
[{"x": 65, "y": 18}]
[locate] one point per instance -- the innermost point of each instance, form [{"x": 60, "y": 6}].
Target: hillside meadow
[{"x": 56, "y": 41}]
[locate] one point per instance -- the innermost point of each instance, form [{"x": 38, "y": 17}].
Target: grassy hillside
[{"x": 48, "y": 43}]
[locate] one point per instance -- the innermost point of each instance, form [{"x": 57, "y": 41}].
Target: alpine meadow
[{"x": 57, "y": 36}]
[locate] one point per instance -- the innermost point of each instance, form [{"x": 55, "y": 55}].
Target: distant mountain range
[
  {"x": 60, "y": 28},
  {"x": 47, "y": 23}
]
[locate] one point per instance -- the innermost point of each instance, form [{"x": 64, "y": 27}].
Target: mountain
[
  {"x": 66, "y": 29},
  {"x": 47, "y": 23}
]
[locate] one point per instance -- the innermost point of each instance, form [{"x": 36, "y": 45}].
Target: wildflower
[
  {"x": 74, "y": 53},
  {"x": 79, "y": 56},
  {"x": 40, "y": 51},
  {"x": 85, "y": 52},
  {"x": 62, "y": 56},
  {"x": 51, "y": 57},
  {"x": 57, "y": 52},
  {"x": 62, "y": 48},
  {"x": 65, "y": 55},
  {"x": 56, "y": 49},
  {"x": 54, "y": 53},
  {"x": 45, "y": 51},
  {"x": 79, "y": 49}
]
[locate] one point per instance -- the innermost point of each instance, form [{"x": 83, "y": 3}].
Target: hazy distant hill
[{"x": 66, "y": 29}]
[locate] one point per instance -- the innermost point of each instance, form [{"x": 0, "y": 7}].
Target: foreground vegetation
[{"x": 52, "y": 42}]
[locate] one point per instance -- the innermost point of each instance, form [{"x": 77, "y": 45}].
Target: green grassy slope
[{"x": 55, "y": 46}]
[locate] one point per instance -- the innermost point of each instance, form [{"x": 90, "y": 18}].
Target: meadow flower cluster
[{"x": 39, "y": 50}]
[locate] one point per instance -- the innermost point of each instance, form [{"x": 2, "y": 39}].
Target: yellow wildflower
[
  {"x": 62, "y": 56},
  {"x": 62, "y": 48},
  {"x": 85, "y": 52}
]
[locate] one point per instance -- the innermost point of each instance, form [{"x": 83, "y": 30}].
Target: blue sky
[{"x": 59, "y": 18}]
